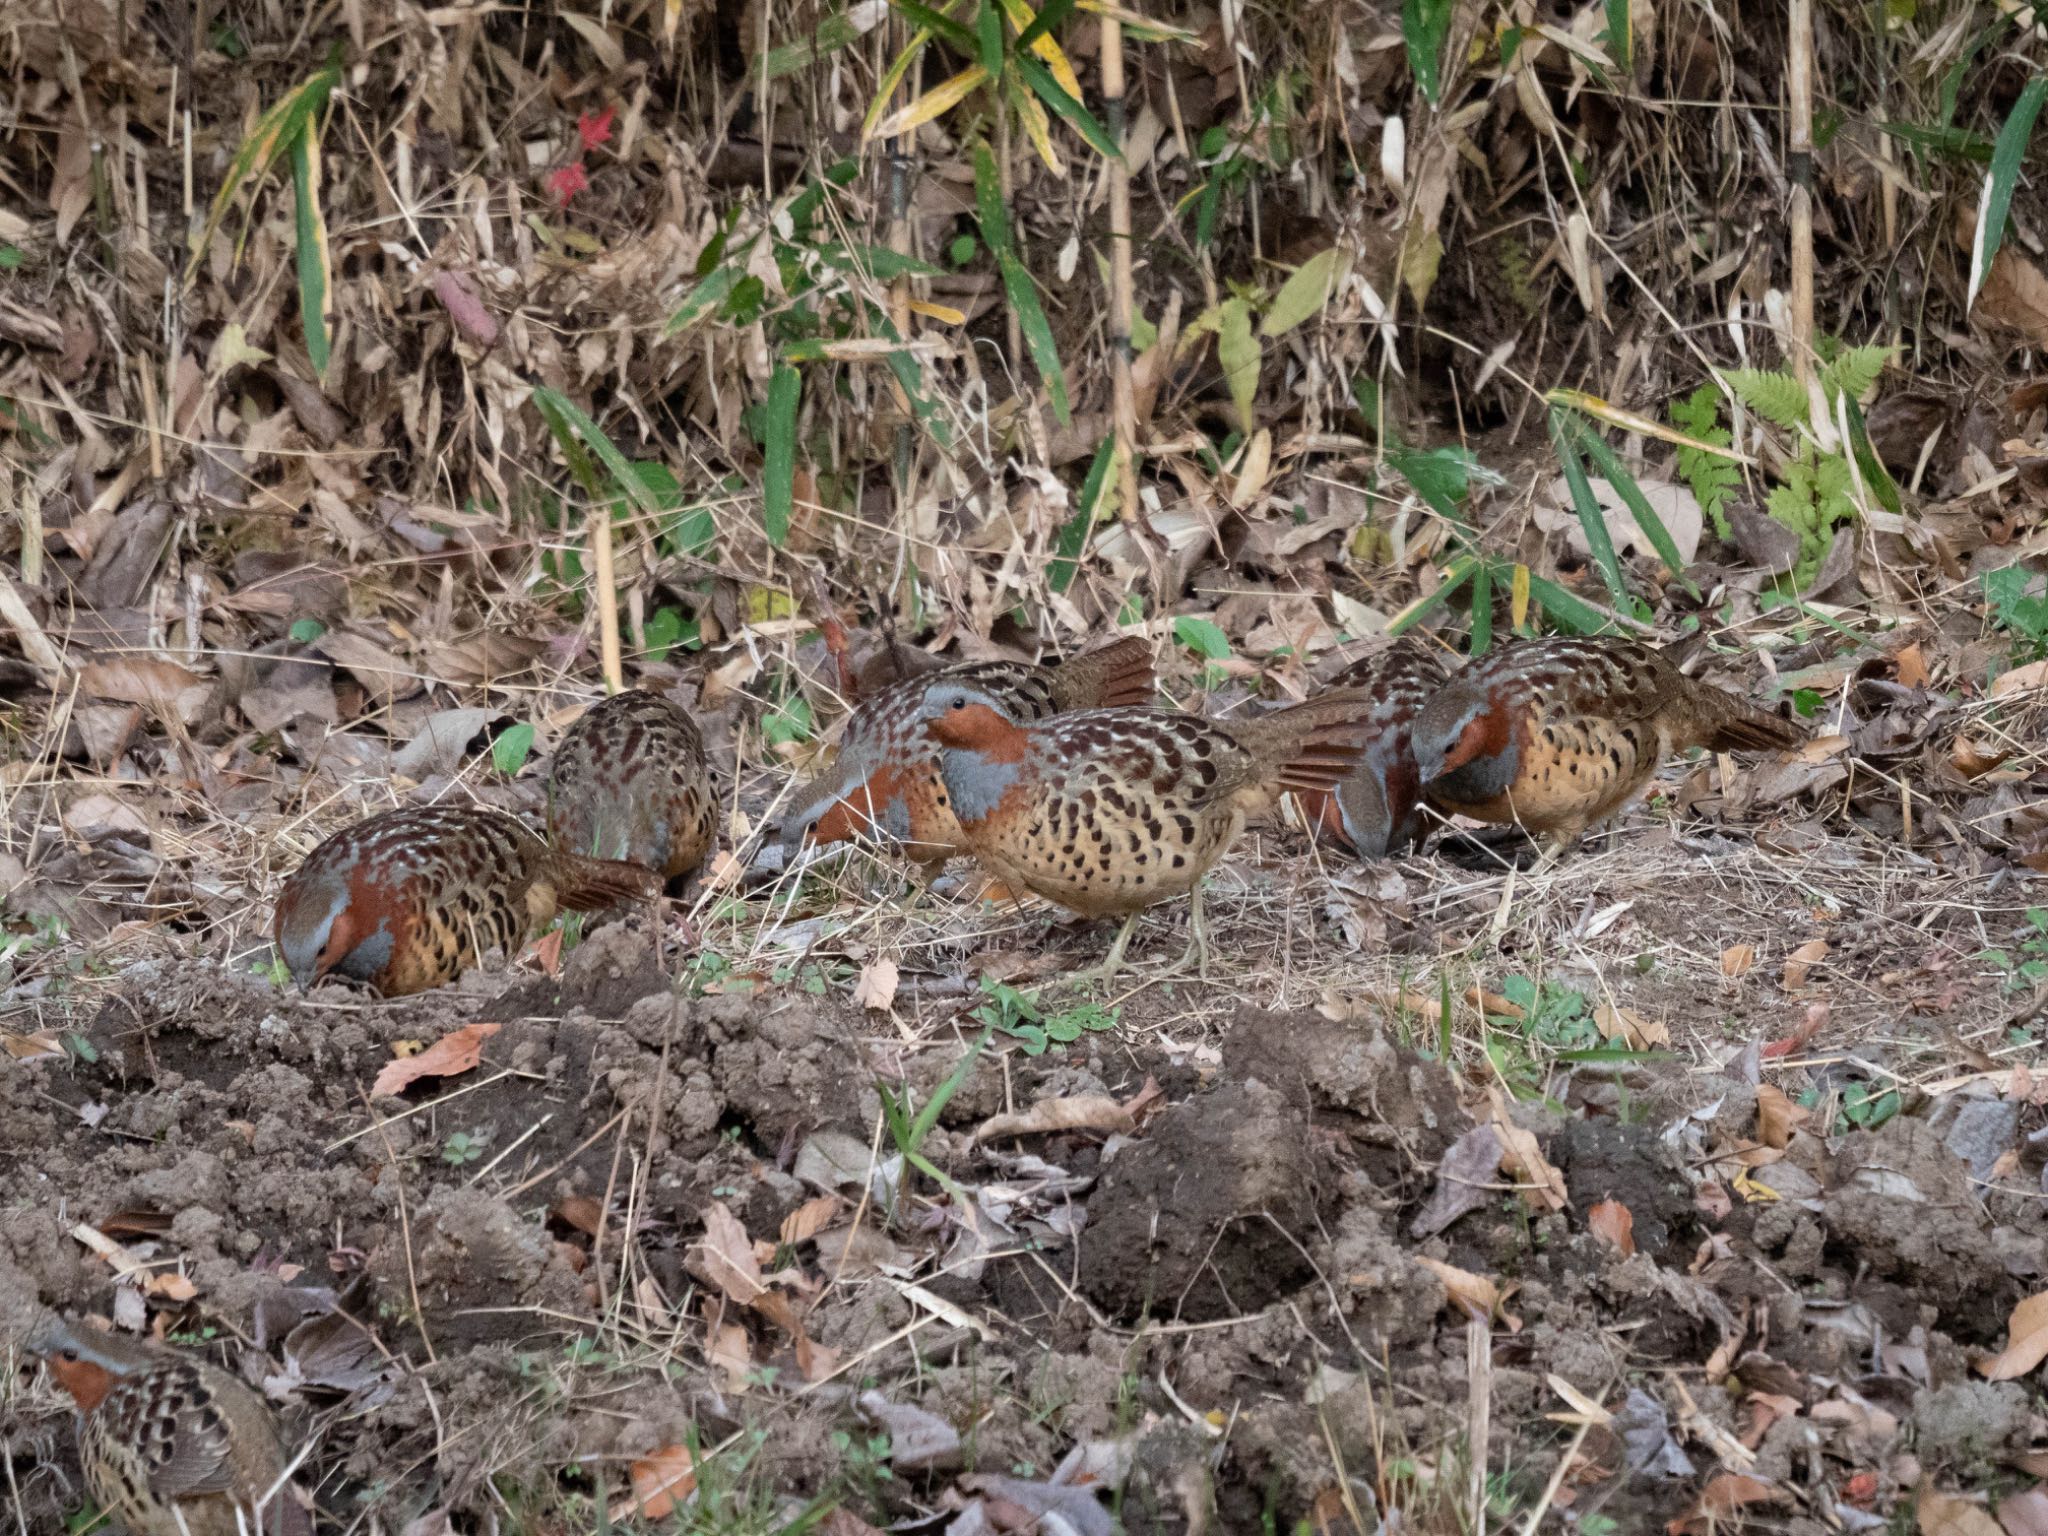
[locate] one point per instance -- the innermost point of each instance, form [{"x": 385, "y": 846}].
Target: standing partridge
[
  {"x": 406, "y": 900},
  {"x": 1376, "y": 809},
  {"x": 170, "y": 1445},
  {"x": 1107, "y": 811},
  {"x": 885, "y": 782},
  {"x": 1558, "y": 734},
  {"x": 630, "y": 781}
]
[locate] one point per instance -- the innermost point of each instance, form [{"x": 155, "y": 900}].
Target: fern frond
[{"x": 1775, "y": 396}]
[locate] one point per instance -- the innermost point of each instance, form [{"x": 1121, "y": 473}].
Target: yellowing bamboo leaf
[
  {"x": 1157, "y": 31},
  {"x": 1518, "y": 596},
  {"x": 945, "y": 314},
  {"x": 1021, "y": 17},
  {"x": 1302, "y": 296},
  {"x": 933, "y": 104},
  {"x": 1629, "y": 421},
  {"x": 891, "y": 78},
  {"x": 1036, "y": 125}
]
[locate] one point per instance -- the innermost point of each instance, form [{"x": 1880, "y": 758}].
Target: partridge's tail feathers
[
  {"x": 1313, "y": 745},
  {"x": 585, "y": 884},
  {"x": 1114, "y": 677},
  {"x": 1732, "y": 724}
]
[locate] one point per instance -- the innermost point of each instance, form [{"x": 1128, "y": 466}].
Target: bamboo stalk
[
  {"x": 607, "y": 595},
  {"x": 1799, "y": 171},
  {"x": 1124, "y": 401}
]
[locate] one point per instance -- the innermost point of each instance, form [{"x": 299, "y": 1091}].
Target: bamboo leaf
[
  {"x": 988, "y": 37},
  {"x": 269, "y": 139},
  {"x": 778, "y": 475},
  {"x": 1306, "y": 291},
  {"x": 1456, "y": 574},
  {"x": 892, "y": 77},
  {"x": 706, "y": 296},
  {"x": 1043, "y": 47},
  {"x": 1073, "y": 538},
  {"x": 938, "y": 23},
  {"x": 934, "y": 103},
  {"x": 988, "y": 203},
  {"x": 1038, "y": 338},
  {"x": 1048, "y": 18},
  {"x": 1616, "y": 474},
  {"x": 1036, "y": 125},
  {"x": 1482, "y": 608},
  {"x": 2007, "y": 156},
  {"x": 1069, "y": 107},
  {"x": 316, "y": 271},
  {"x": 567, "y": 421},
  {"x": 1574, "y": 613},
  {"x": 1565, "y": 435},
  {"x": 1424, "y": 25},
  {"x": 1518, "y": 598},
  {"x": 1238, "y": 351}
]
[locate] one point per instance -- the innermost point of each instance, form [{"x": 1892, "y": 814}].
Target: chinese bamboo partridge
[
  {"x": 170, "y": 1445},
  {"x": 1376, "y": 809},
  {"x": 1558, "y": 734},
  {"x": 885, "y": 782},
  {"x": 1107, "y": 811},
  {"x": 630, "y": 781},
  {"x": 405, "y": 901}
]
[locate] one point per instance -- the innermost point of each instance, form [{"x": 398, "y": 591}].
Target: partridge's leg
[
  {"x": 1198, "y": 939},
  {"x": 1112, "y": 961}
]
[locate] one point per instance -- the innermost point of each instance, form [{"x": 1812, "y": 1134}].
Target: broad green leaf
[
  {"x": 1456, "y": 574},
  {"x": 1037, "y": 126},
  {"x": 1202, "y": 637},
  {"x": 1048, "y": 17},
  {"x": 1619, "y": 44},
  {"x": 2007, "y": 156},
  {"x": 1875, "y": 475},
  {"x": 511, "y": 748},
  {"x": 938, "y": 23},
  {"x": 1042, "y": 47},
  {"x": 1303, "y": 295},
  {"x": 778, "y": 476},
  {"x": 1442, "y": 477},
  {"x": 1237, "y": 349},
  {"x": 833, "y": 33},
  {"x": 1574, "y": 613}
]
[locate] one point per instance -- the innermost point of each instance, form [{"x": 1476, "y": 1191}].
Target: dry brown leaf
[
  {"x": 2025, "y": 1514},
  {"x": 1720, "y": 1499},
  {"x": 36, "y": 1047},
  {"x": 1615, "y": 1223},
  {"x": 662, "y": 1479},
  {"x": 1630, "y": 1028},
  {"x": 1474, "y": 1294},
  {"x": 385, "y": 677},
  {"x": 725, "y": 1257},
  {"x": 1777, "y": 1117},
  {"x": 1737, "y": 960},
  {"x": 1941, "y": 1515},
  {"x": 452, "y": 1054},
  {"x": 163, "y": 687},
  {"x": 2015, "y": 293},
  {"x": 809, "y": 1219},
  {"x": 1800, "y": 963},
  {"x": 2019, "y": 680},
  {"x": 1082, "y": 1112},
  {"x": 2026, "y": 1341},
  {"x": 1522, "y": 1156},
  {"x": 876, "y": 987}
]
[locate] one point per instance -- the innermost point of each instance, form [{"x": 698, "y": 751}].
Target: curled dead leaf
[
  {"x": 1737, "y": 960},
  {"x": 662, "y": 1479},
  {"x": 452, "y": 1054},
  {"x": 2026, "y": 1341},
  {"x": 1082, "y": 1112},
  {"x": 1613, "y": 1223}
]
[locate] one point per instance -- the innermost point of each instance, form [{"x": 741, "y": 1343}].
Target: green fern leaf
[
  {"x": 1712, "y": 478},
  {"x": 1856, "y": 372},
  {"x": 1774, "y": 396}
]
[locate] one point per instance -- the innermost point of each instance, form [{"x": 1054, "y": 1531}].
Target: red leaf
[
  {"x": 1614, "y": 1222},
  {"x": 595, "y": 128},
  {"x": 452, "y": 1053},
  {"x": 568, "y": 181}
]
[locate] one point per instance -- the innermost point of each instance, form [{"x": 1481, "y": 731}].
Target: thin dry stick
[
  {"x": 607, "y": 594},
  {"x": 1125, "y": 399},
  {"x": 1799, "y": 170}
]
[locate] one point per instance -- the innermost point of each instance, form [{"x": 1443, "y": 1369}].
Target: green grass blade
[
  {"x": 1038, "y": 340},
  {"x": 940, "y": 25},
  {"x": 569, "y": 424},
  {"x": 316, "y": 271},
  {"x": 1564, "y": 434},
  {"x": 1073, "y": 538},
  {"x": 778, "y": 478},
  {"x": 2007, "y": 156},
  {"x": 1616, "y": 474}
]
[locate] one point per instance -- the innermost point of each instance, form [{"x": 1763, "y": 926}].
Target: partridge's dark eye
[
  {"x": 959, "y": 701},
  {"x": 70, "y": 1356}
]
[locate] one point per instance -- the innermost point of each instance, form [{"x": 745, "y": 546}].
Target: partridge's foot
[
  {"x": 1111, "y": 963},
  {"x": 1493, "y": 852}
]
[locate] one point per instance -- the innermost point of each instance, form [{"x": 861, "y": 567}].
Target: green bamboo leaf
[
  {"x": 568, "y": 423},
  {"x": 1619, "y": 43},
  {"x": 1238, "y": 351},
  {"x": 1303, "y": 295},
  {"x": 706, "y": 296},
  {"x": 267, "y": 141},
  {"x": 834, "y": 32},
  {"x": 316, "y": 273},
  {"x": 1875, "y": 475},
  {"x": 1482, "y": 608},
  {"x": 1616, "y": 474},
  {"x": 1055, "y": 13},
  {"x": 1076, "y": 116},
  {"x": 988, "y": 203},
  {"x": 1572, "y": 612},
  {"x": 1456, "y": 574},
  {"x": 1591, "y": 519},
  {"x": 1038, "y": 339},
  {"x": 2007, "y": 156},
  {"x": 778, "y": 477},
  {"x": 1424, "y": 25},
  {"x": 1073, "y": 538},
  {"x": 988, "y": 37},
  {"x": 939, "y": 24}
]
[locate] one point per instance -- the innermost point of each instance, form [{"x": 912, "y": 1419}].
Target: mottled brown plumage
[
  {"x": 1107, "y": 811},
  {"x": 1558, "y": 734},
  {"x": 630, "y": 781},
  {"x": 1376, "y": 810},
  {"x": 170, "y": 1444},
  {"x": 408, "y": 900},
  {"x": 885, "y": 784}
]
